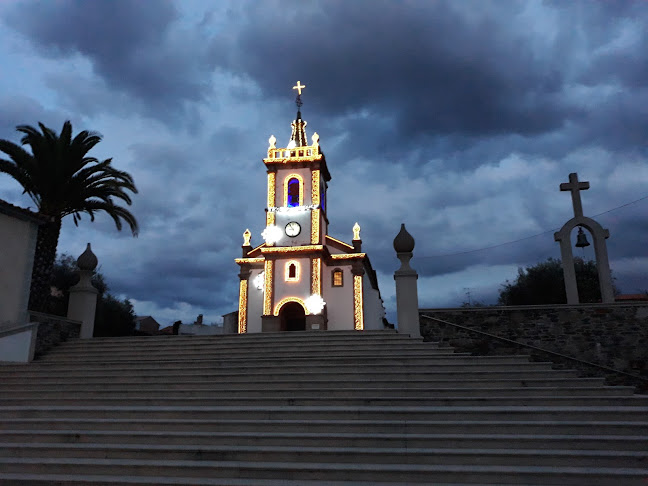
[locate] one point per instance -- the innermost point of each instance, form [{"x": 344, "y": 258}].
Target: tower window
[
  {"x": 338, "y": 278},
  {"x": 293, "y": 193},
  {"x": 292, "y": 271}
]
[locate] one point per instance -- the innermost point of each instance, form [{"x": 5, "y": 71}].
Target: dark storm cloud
[
  {"x": 447, "y": 69},
  {"x": 429, "y": 65},
  {"x": 125, "y": 40}
]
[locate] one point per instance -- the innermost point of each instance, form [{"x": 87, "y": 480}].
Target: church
[{"x": 301, "y": 278}]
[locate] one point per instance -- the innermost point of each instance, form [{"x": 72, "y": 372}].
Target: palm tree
[{"x": 62, "y": 180}]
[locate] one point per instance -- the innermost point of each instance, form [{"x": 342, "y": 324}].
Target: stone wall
[
  {"x": 53, "y": 330},
  {"x": 611, "y": 335}
]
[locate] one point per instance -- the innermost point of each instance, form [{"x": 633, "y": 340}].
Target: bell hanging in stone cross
[{"x": 581, "y": 239}]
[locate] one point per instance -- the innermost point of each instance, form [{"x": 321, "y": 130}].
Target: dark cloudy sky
[{"x": 459, "y": 118}]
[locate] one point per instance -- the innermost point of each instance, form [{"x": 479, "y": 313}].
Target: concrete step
[
  {"x": 305, "y": 400},
  {"x": 79, "y": 394},
  {"x": 216, "y": 369},
  {"x": 367, "y": 455},
  {"x": 213, "y": 377},
  {"x": 330, "y": 362},
  {"x": 390, "y": 353},
  {"x": 16, "y": 479},
  {"x": 198, "y": 438},
  {"x": 532, "y": 426},
  {"x": 232, "y": 347},
  {"x": 340, "y": 412},
  {"x": 266, "y": 337},
  {"x": 408, "y": 473},
  {"x": 75, "y": 386}
]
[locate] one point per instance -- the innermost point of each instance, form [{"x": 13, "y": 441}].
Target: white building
[{"x": 301, "y": 278}]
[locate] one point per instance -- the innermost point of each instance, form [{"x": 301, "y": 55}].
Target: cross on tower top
[
  {"x": 575, "y": 187},
  {"x": 299, "y": 87},
  {"x": 298, "y": 101}
]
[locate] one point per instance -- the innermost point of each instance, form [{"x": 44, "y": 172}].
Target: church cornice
[
  {"x": 349, "y": 256},
  {"x": 339, "y": 244},
  {"x": 242, "y": 261},
  {"x": 279, "y": 250}
]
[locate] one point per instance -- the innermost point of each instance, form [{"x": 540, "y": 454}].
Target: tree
[
  {"x": 113, "y": 317},
  {"x": 62, "y": 180},
  {"x": 544, "y": 284}
]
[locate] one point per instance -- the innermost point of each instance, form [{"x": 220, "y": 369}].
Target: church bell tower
[{"x": 285, "y": 282}]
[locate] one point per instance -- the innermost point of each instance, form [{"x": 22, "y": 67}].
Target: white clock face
[{"x": 293, "y": 228}]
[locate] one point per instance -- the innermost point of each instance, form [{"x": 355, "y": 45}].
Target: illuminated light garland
[
  {"x": 272, "y": 196},
  {"x": 292, "y": 159},
  {"x": 350, "y": 247},
  {"x": 246, "y": 237},
  {"x": 249, "y": 260},
  {"x": 315, "y": 188},
  {"x": 301, "y": 189},
  {"x": 315, "y": 226},
  {"x": 270, "y": 219},
  {"x": 315, "y": 304},
  {"x": 358, "y": 313},
  {"x": 292, "y": 249},
  {"x": 290, "y": 299},
  {"x": 242, "y": 318},
  {"x": 294, "y": 209},
  {"x": 311, "y": 153},
  {"x": 350, "y": 256},
  {"x": 268, "y": 290},
  {"x": 316, "y": 276},
  {"x": 287, "y": 276}
]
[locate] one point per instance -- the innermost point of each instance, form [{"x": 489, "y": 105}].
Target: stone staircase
[{"x": 310, "y": 408}]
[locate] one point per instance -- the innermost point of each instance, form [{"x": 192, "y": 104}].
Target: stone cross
[{"x": 575, "y": 187}]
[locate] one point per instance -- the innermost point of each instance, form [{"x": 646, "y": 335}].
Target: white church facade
[{"x": 301, "y": 278}]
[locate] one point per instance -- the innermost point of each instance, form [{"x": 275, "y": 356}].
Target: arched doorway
[{"x": 293, "y": 317}]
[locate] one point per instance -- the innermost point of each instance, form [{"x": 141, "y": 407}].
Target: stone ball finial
[
  {"x": 404, "y": 242},
  {"x": 87, "y": 260}
]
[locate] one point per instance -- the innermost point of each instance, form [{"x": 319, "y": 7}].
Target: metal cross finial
[
  {"x": 299, "y": 87},
  {"x": 575, "y": 187}
]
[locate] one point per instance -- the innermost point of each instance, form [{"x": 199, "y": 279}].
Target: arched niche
[{"x": 599, "y": 235}]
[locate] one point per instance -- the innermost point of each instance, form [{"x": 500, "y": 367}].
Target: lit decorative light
[
  {"x": 259, "y": 281},
  {"x": 358, "y": 313},
  {"x": 316, "y": 276},
  {"x": 285, "y": 300},
  {"x": 242, "y": 321},
  {"x": 315, "y": 226},
  {"x": 295, "y": 277},
  {"x": 272, "y": 141},
  {"x": 272, "y": 234},
  {"x": 294, "y": 209},
  {"x": 356, "y": 231},
  {"x": 246, "y": 237},
  {"x": 293, "y": 249},
  {"x": 349, "y": 256},
  {"x": 315, "y": 304},
  {"x": 267, "y": 287},
  {"x": 315, "y": 187},
  {"x": 271, "y": 189}
]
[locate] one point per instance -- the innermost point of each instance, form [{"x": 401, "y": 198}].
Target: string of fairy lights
[{"x": 465, "y": 252}]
